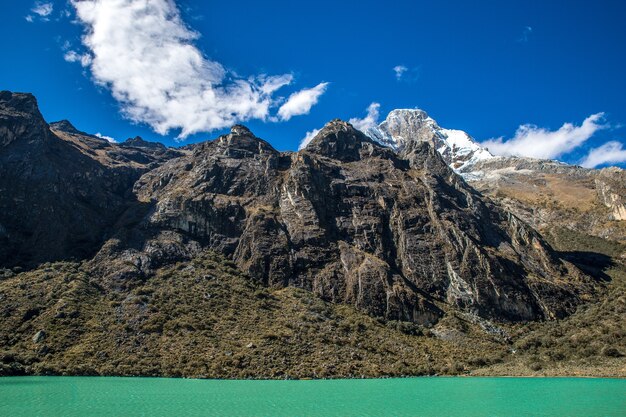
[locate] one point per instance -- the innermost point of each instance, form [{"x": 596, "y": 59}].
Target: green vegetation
[
  {"x": 593, "y": 340},
  {"x": 205, "y": 319}
]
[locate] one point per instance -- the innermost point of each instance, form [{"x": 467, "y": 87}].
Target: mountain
[
  {"x": 67, "y": 127},
  {"x": 134, "y": 153},
  {"x": 229, "y": 258},
  {"x": 138, "y": 142},
  {"x": 402, "y": 126},
  {"x": 61, "y": 191},
  {"x": 392, "y": 234},
  {"x": 549, "y": 193},
  {"x": 544, "y": 193}
]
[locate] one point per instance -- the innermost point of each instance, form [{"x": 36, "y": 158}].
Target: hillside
[
  {"x": 231, "y": 259},
  {"x": 206, "y": 319},
  {"x": 548, "y": 193}
]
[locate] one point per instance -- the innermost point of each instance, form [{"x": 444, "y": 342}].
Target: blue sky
[{"x": 483, "y": 67}]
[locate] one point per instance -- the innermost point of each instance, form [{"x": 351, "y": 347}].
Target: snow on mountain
[{"x": 458, "y": 148}]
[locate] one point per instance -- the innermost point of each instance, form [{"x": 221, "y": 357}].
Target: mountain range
[
  {"x": 544, "y": 193},
  {"x": 228, "y": 258}
]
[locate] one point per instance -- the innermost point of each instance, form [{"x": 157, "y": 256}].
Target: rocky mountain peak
[
  {"x": 394, "y": 234},
  {"x": 19, "y": 102},
  {"x": 65, "y": 126},
  {"x": 341, "y": 141},
  {"x": 403, "y": 126},
  {"x": 139, "y": 142},
  {"x": 241, "y": 130},
  {"x": 21, "y": 119},
  {"x": 239, "y": 143},
  {"x": 390, "y": 233}
]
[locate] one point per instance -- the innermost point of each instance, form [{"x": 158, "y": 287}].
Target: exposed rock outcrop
[
  {"x": 138, "y": 142},
  {"x": 397, "y": 234},
  {"x": 393, "y": 234},
  {"x": 611, "y": 188},
  {"x": 548, "y": 194}
]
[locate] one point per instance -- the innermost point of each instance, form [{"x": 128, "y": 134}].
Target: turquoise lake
[{"x": 104, "y": 396}]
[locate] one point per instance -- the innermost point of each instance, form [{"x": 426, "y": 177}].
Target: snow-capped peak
[{"x": 458, "y": 148}]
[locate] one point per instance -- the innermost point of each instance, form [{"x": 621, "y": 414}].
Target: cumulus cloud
[
  {"x": 611, "y": 152},
  {"x": 301, "y": 101},
  {"x": 399, "y": 71},
  {"x": 145, "y": 54},
  {"x": 42, "y": 10},
  {"x": 308, "y": 138},
  {"x": 369, "y": 121},
  {"x": 536, "y": 142},
  {"x": 109, "y": 138}
]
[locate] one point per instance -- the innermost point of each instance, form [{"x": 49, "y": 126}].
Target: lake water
[{"x": 104, "y": 396}]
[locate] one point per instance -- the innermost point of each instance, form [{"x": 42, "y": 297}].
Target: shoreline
[{"x": 324, "y": 379}]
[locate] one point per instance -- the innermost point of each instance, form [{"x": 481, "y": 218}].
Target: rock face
[
  {"x": 611, "y": 189},
  {"x": 60, "y": 193},
  {"x": 20, "y": 119},
  {"x": 39, "y": 336},
  {"x": 546, "y": 194},
  {"x": 355, "y": 222},
  {"x": 397, "y": 234}
]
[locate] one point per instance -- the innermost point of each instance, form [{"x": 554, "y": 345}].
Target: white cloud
[
  {"x": 109, "y": 138},
  {"x": 536, "y": 142},
  {"x": 308, "y": 138},
  {"x": 406, "y": 74},
  {"x": 369, "y": 121},
  {"x": 399, "y": 70},
  {"x": 42, "y": 10},
  {"x": 73, "y": 56},
  {"x": 145, "y": 54},
  {"x": 609, "y": 153},
  {"x": 301, "y": 101}
]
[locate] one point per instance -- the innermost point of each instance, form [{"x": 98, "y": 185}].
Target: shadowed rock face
[
  {"x": 58, "y": 199},
  {"x": 355, "y": 222},
  {"x": 398, "y": 235},
  {"x": 20, "y": 119}
]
